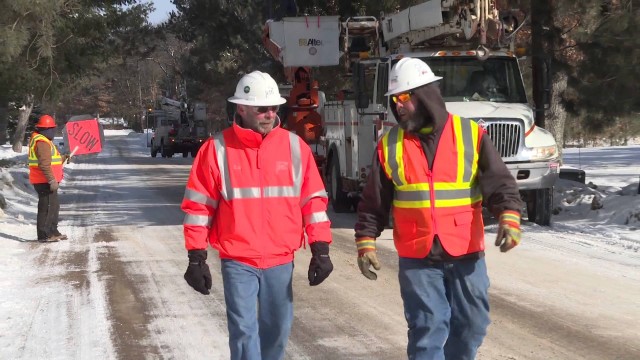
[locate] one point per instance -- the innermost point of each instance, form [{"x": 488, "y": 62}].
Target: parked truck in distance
[{"x": 178, "y": 127}]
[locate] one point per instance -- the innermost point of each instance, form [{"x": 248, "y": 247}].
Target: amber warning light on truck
[{"x": 84, "y": 136}]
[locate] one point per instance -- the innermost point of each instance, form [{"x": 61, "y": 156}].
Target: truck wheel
[
  {"x": 194, "y": 152},
  {"x": 539, "y": 206},
  {"x": 339, "y": 199},
  {"x": 154, "y": 150},
  {"x": 163, "y": 150},
  {"x": 185, "y": 153}
]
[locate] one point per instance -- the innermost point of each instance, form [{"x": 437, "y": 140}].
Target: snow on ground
[{"x": 20, "y": 299}]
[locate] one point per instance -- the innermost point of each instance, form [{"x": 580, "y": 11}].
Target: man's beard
[
  {"x": 415, "y": 121},
  {"x": 412, "y": 124}
]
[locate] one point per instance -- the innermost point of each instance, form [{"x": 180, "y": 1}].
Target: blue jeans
[
  {"x": 446, "y": 306},
  {"x": 259, "y": 309}
]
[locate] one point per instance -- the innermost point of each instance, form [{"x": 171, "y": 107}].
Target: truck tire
[
  {"x": 339, "y": 199},
  {"x": 194, "y": 152},
  {"x": 540, "y": 206},
  {"x": 154, "y": 150},
  {"x": 163, "y": 150},
  {"x": 185, "y": 153}
]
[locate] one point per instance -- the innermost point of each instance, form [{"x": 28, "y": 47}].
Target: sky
[{"x": 163, "y": 7}]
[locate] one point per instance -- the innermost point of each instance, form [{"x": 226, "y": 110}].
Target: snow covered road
[{"x": 115, "y": 289}]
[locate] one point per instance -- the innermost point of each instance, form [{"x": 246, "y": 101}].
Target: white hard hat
[
  {"x": 409, "y": 73},
  {"x": 257, "y": 89}
]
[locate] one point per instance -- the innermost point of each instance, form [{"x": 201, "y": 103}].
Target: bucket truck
[
  {"x": 469, "y": 43},
  {"x": 177, "y": 127}
]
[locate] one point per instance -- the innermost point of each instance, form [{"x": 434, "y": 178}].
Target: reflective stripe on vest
[
  {"x": 446, "y": 194},
  {"x": 56, "y": 158},
  {"x": 231, "y": 193}
]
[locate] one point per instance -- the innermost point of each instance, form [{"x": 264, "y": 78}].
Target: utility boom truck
[
  {"x": 469, "y": 44},
  {"x": 177, "y": 127}
]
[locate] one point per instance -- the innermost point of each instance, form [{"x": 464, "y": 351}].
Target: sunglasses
[
  {"x": 404, "y": 97},
  {"x": 264, "y": 109}
]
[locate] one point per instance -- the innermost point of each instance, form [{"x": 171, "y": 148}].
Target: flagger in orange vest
[
  {"x": 45, "y": 173},
  {"x": 433, "y": 171},
  {"x": 255, "y": 194}
]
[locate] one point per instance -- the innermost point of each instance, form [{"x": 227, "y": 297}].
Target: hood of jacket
[{"x": 430, "y": 104}]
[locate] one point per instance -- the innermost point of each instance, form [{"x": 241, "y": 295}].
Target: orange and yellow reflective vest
[
  {"x": 36, "y": 176},
  {"x": 255, "y": 199},
  {"x": 445, "y": 201}
]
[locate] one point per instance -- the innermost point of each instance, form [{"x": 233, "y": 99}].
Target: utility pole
[
  {"x": 140, "y": 107},
  {"x": 541, "y": 57}
]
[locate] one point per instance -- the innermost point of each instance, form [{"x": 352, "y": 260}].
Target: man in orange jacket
[
  {"x": 255, "y": 194},
  {"x": 45, "y": 173},
  {"x": 434, "y": 170}
]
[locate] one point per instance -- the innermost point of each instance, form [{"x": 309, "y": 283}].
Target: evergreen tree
[
  {"x": 605, "y": 82},
  {"x": 49, "y": 46}
]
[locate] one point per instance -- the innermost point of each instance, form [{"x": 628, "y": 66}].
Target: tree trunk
[
  {"x": 4, "y": 120},
  {"x": 23, "y": 119},
  {"x": 557, "y": 115}
]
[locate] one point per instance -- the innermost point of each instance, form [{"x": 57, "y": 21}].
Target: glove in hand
[
  {"x": 320, "y": 266},
  {"x": 508, "y": 230},
  {"x": 198, "y": 275},
  {"x": 367, "y": 257},
  {"x": 54, "y": 185}
]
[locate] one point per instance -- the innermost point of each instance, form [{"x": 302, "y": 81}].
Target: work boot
[
  {"x": 60, "y": 236},
  {"x": 50, "y": 239}
]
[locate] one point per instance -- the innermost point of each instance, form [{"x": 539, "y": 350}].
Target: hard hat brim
[
  {"x": 405, "y": 88},
  {"x": 237, "y": 100}
]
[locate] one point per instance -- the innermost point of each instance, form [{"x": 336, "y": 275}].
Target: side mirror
[
  {"x": 362, "y": 100},
  {"x": 359, "y": 85},
  {"x": 231, "y": 111}
]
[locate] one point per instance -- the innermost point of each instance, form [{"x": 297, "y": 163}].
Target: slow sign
[{"x": 84, "y": 136}]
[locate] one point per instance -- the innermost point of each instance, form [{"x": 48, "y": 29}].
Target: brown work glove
[
  {"x": 367, "y": 257},
  {"x": 66, "y": 158},
  {"x": 53, "y": 185},
  {"x": 508, "y": 230}
]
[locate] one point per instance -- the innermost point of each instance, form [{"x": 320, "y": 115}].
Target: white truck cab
[{"x": 477, "y": 83}]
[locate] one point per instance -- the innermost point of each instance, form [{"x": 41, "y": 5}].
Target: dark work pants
[{"x": 48, "y": 209}]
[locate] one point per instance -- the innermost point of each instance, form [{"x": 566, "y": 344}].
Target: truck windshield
[{"x": 496, "y": 79}]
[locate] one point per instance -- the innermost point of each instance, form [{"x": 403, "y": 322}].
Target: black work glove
[
  {"x": 198, "y": 275},
  {"x": 320, "y": 266}
]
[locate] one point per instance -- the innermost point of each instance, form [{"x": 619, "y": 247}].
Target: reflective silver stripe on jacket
[
  {"x": 316, "y": 217},
  {"x": 318, "y": 194},
  {"x": 197, "y": 220},
  {"x": 230, "y": 193},
  {"x": 200, "y": 198}
]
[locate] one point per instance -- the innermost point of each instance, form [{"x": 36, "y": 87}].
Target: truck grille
[{"x": 506, "y": 135}]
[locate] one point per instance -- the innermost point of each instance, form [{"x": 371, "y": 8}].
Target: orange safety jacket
[
  {"x": 445, "y": 201},
  {"x": 254, "y": 199},
  {"x": 36, "y": 176}
]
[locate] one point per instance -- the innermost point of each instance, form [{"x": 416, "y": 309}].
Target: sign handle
[{"x": 74, "y": 151}]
